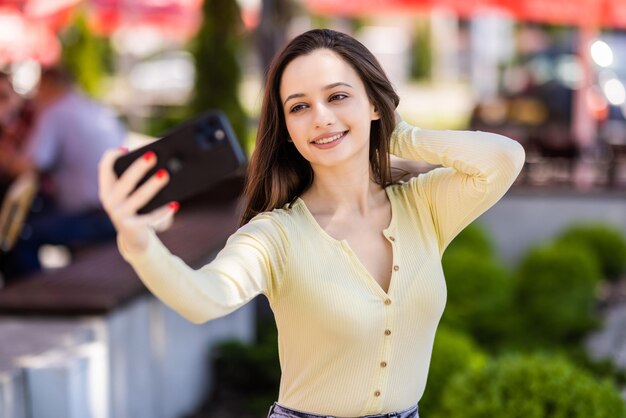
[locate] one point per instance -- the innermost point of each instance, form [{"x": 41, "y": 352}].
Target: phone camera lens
[
  {"x": 219, "y": 134},
  {"x": 174, "y": 165}
]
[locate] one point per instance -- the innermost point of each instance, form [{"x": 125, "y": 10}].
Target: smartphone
[{"x": 197, "y": 154}]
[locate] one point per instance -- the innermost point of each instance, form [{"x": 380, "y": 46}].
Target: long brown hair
[{"x": 277, "y": 173}]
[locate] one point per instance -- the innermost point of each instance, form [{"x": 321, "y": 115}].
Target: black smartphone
[{"x": 197, "y": 154}]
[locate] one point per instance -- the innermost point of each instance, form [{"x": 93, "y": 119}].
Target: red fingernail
[
  {"x": 123, "y": 150},
  {"x": 148, "y": 156},
  {"x": 174, "y": 206},
  {"x": 161, "y": 173}
]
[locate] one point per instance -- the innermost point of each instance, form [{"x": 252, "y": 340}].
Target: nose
[{"x": 324, "y": 116}]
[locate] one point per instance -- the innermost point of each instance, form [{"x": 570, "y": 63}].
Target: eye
[
  {"x": 338, "y": 96},
  {"x": 297, "y": 108}
]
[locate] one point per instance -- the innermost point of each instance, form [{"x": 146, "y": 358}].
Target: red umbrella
[
  {"x": 21, "y": 39},
  {"x": 27, "y": 29},
  {"x": 175, "y": 18},
  {"x": 54, "y": 14}
]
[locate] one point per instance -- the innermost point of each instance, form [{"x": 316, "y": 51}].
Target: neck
[{"x": 345, "y": 188}]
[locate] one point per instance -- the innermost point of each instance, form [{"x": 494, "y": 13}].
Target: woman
[{"x": 350, "y": 263}]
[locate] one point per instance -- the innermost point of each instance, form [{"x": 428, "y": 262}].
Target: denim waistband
[{"x": 279, "y": 411}]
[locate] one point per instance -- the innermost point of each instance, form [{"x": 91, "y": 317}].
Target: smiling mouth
[{"x": 330, "y": 139}]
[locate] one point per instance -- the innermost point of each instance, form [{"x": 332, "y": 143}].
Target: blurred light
[
  {"x": 615, "y": 92},
  {"x": 601, "y": 53},
  {"x": 515, "y": 79},
  {"x": 140, "y": 41},
  {"x": 54, "y": 256},
  {"x": 167, "y": 79},
  {"x": 47, "y": 8},
  {"x": 384, "y": 40},
  {"x": 623, "y": 109},
  {"x": 570, "y": 72},
  {"x": 541, "y": 70},
  {"x": 11, "y": 25},
  {"x": 605, "y": 75},
  {"x": 494, "y": 111},
  {"x": 250, "y": 12},
  {"x": 26, "y": 76},
  {"x": 597, "y": 104}
]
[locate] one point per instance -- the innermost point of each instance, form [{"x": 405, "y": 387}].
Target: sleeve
[
  {"x": 477, "y": 170},
  {"x": 42, "y": 144},
  {"x": 251, "y": 263}
]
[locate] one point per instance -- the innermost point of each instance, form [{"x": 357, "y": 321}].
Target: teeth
[{"x": 329, "y": 139}]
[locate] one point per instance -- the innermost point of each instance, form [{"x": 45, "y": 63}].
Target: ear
[{"x": 374, "y": 115}]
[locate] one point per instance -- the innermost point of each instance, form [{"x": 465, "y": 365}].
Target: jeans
[{"x": 278, "y": 411}]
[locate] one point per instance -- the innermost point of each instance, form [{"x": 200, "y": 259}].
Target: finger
[
  {"x": 161, "y": 217},
  {"x": 106, "y": 175},
  {"x": 135, "y": 172},
  {"x": 165, "y": 223},
  {"x": 140, "y": 197}
]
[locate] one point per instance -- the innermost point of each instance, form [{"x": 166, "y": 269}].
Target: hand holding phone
[{"x": 196, "y": 155}]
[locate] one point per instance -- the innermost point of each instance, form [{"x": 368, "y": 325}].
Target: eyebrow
[{"x": 328, "y": 87}]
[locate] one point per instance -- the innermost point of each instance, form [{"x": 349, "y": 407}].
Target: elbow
[
  {"x": 511, "y": 153},
  {"x": 517, "y": 156},
  {"x": 193, "y": 317}
]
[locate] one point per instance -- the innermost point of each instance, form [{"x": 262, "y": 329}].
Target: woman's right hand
[{"x": 121, "y": 201}]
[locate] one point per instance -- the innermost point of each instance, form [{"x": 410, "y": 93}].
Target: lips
[{"x": 328, "y": 138}]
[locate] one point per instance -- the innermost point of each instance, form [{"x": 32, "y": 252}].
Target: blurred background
[{"x": 536, "y": 313}]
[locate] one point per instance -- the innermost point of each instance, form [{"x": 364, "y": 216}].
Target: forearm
[
  {"x": 239, "y": 272},
  {"x": 479, "y": 154}
]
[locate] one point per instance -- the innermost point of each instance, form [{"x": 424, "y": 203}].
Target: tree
[{"x": 217, "y": 69}]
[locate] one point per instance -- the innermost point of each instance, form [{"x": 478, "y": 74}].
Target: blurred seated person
[
  {"x": 70, "y": 134},
  {"x": 16, "y": 119}
]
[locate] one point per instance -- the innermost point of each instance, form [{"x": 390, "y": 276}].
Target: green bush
[
  {"x": 530, "y": 387},
  {"x": 422, "y": 51},
  {"x": 605, "y": 241},
  {"x": 479, "y": 296},
  {"x": 248, "y": 374},
  {"x": 473, "y": 238},
  {"x": 600, "y": 368},
  {"x": 555, "y": 293},
  {"x": 248, "y": 368},
  {"x": 454, "y": 352},
  {"x": 86, "y": 57}
]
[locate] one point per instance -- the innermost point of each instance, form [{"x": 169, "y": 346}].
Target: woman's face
[{"x": 327, "y": 111}]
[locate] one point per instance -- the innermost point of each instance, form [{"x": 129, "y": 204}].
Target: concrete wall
[
  {"x": 141, "y": 361},
  {"x": 522, "y": 219}
]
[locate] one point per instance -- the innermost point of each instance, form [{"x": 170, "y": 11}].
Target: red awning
[
  {"x": 362, "y": 7},
  {"x": 607, "y": 13},
  {"x": 560, "y": 12},
  {"x": 175, "y": 18}
]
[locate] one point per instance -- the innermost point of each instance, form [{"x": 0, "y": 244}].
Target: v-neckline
[{"x": 387, "y": 232}]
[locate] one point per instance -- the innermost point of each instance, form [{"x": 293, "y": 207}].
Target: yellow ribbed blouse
[{"x": 346, "y": 347}]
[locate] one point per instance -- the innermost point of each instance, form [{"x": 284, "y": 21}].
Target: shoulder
[
  {"x": 405, "y": 188},
  {"x": 417, "y": 188},
  {"x": 274, "y": 226}
]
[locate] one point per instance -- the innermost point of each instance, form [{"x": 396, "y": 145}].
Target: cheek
[{"x": 295, "y": 128}]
